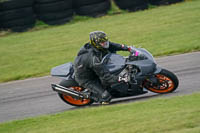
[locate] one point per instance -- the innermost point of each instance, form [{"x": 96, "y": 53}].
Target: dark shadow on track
[
  {"x": 138, "y": 98},
  {"x": 126, "y": 100}
]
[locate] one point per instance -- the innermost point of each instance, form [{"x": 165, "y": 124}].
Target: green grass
[
  {"x": 167, "y": 115},
  {"x": 164, "y": 30}
]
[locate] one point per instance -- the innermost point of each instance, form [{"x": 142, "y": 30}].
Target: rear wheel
[
  {"x": 166, "y": 82},
  {"x": 71, "y": 100}
]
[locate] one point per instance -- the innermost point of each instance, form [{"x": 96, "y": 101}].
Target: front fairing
[
  {"x": 144, "y": 62},
  {"x": 146, "y": 53},
  {"x": 114, "y": 63}
]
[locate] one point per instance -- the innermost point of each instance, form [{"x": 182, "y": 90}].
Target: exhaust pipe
[{"x": 67, "y": 91}]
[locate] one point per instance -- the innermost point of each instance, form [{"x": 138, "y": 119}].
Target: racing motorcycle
[{"x": 141, "y": 71}]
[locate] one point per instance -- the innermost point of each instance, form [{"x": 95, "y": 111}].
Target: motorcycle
[{"x": 142, "y": 73}]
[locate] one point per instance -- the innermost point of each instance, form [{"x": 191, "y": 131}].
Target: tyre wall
[
  {"x": 54, "y": 12},
  {"x": 17, "y": 15},
  {"x": 163, "y": 2},
  {"x": 21, "y": 15},
  {"x": 92, "y": 8},
  {"x": 132, "y": 5}
]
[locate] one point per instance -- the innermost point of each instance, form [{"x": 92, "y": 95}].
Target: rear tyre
[
  {"x": 69, "y": 99},
  {"x": 132, "y": 5},
  {"x": 46, "y": 1},
  {"x": 19, "y": 25},
  {"x": 53, "y": 7},
  {"x": 15, "y": 4},
  {"x": 94, "y": 10},
  {"x": 80, "y": 3},
  {"x": 16, "y": 13},
  {"x": 163, "y": 2},
  {"x": 167, "y": 82}
]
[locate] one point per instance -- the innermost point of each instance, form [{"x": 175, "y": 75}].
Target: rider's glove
[
  {"x": 124, "y": 79},
  {"x": 133, "y": 51}
]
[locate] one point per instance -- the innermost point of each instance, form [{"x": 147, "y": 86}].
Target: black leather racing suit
[{"x": 89, "y": 73}]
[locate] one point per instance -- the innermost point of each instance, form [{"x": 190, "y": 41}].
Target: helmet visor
[{"x": 104, "y": 44}]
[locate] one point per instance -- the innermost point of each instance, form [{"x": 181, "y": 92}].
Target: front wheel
[
  {"x": 71, "y": 100},
  {"x": 166, "y": 82}
]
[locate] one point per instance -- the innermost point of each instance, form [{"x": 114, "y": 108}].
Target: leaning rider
[{"x": 90, "y": 73}]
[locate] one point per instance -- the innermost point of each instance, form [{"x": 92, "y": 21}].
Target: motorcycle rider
[{"x": 90, "y": 73}]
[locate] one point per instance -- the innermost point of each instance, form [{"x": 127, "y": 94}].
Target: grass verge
[
  {"x": 164, "y": 30},
  {"x": 172, "y": 115}
]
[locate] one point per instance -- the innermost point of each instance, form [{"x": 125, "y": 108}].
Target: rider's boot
[
  {"x": 99, "y": 94},
  {"x": 86, "y": 93},
  {"x": 106, "y": 97}
]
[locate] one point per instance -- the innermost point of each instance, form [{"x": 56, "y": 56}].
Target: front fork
[
  {"x": 152, "y": 80},
  {"x": 158, "y": 70}
]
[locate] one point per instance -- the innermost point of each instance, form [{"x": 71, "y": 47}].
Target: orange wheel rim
[
  {"x": 72, "y": 100},
  {"x": 167, "y": 86}
]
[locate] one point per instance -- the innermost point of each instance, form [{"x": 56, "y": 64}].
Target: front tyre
[
  {"x": 71, "y": 100},
  {"x": 166, "y": 82}
]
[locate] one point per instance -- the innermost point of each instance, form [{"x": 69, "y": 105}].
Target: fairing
[
  {"x": 115, "y": 62},
  {"x": 65, "y": 71}
]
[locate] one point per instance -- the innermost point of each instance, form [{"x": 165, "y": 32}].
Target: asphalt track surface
[{"x": 34, "y": 97}]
